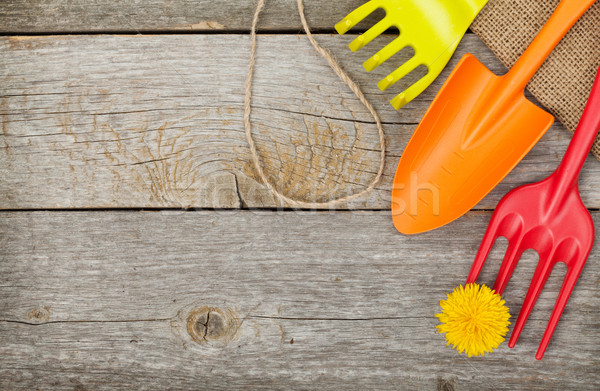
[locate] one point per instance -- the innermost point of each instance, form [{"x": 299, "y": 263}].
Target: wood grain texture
[
  {"x": 231, "y": 298},
  {"x": 23, "y": 16},
  {"x": 156, "y": 121},
  {"x": 306, "y": 300}
]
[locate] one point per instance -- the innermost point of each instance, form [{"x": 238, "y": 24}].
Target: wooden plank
[
  {"x": 22, "y": 16},
  {"x": 119, "y": 300},
  {"x": 156, "y": 121}
]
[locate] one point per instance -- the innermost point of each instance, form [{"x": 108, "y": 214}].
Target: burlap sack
[{"x": 565, "y": 80}]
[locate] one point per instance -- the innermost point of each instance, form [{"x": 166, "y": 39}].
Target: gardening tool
[
  {"x": 433, "y": 28},
  {"x": 476, "y": 130},
  {"x": 550, "y": 218}
]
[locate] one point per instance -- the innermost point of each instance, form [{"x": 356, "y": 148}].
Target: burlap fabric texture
[{"x": 563, "y": 83}]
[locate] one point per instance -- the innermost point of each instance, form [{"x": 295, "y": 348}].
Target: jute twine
[{"x": 344, "y": 77}]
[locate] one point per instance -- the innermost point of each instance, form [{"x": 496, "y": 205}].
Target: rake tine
[
  {"x": 542, "y": 272},
  {"x": 370, "y": 34},
  {"x": 413, "y": 91},
  {"x": 399, "y": 73},
  {"x": 384, "y": 54},
  {"x": 563, "y": 297},
  {"x": 511, "y": 258},
  {"x": 491, "y": 234},
  {"x": 356, "y": 16}
]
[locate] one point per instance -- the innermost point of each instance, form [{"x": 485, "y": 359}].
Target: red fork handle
[{"x": 567, "y": 173}]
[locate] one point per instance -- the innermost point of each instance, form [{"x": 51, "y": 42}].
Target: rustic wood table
[{"x": 138, "y": 250}]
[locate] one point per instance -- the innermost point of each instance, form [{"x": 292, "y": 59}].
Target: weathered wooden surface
[
  {"x": 105, "y": 300},
  {"x": 156, "y": 121},
  {"x": 235, "y": 299},
  {"x": 24, "y": 16}
]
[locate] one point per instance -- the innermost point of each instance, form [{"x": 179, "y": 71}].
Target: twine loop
[{"x": 344, "y": 77}]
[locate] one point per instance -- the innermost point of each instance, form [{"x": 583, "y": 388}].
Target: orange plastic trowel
[{"x": 474, "y": 133}]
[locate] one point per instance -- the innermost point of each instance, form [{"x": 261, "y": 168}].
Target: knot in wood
[
  {"x": 212, "y": 324},
  {"x": 39, "y": 315},
  {"x": 446, "y": 385}
]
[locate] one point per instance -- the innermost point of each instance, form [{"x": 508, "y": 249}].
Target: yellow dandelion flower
[{"x": 474, "y": 319}]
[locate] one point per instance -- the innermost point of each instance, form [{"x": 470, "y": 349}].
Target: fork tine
[
  {"x": 542, "y": 272},
  {"x": 399, "y": 73},
  {"x": 563, "y": 297},
  {"x": 511, "y": 258},
  {"x": 384, "y": 54},
  {"x": 353, "y": 18},
  {"x": 491, "y": 234},
  {"x": 370, "y": 34}
]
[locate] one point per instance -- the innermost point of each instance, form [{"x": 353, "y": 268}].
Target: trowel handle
[
  {"x": 579, "y": 148},
  {"x": 564, "y": 17}
]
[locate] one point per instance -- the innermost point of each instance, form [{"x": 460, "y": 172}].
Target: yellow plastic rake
[{"x": 433, "y": 28}]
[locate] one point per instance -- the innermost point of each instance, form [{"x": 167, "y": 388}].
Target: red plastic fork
[{"x": 550, "y": 218}]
